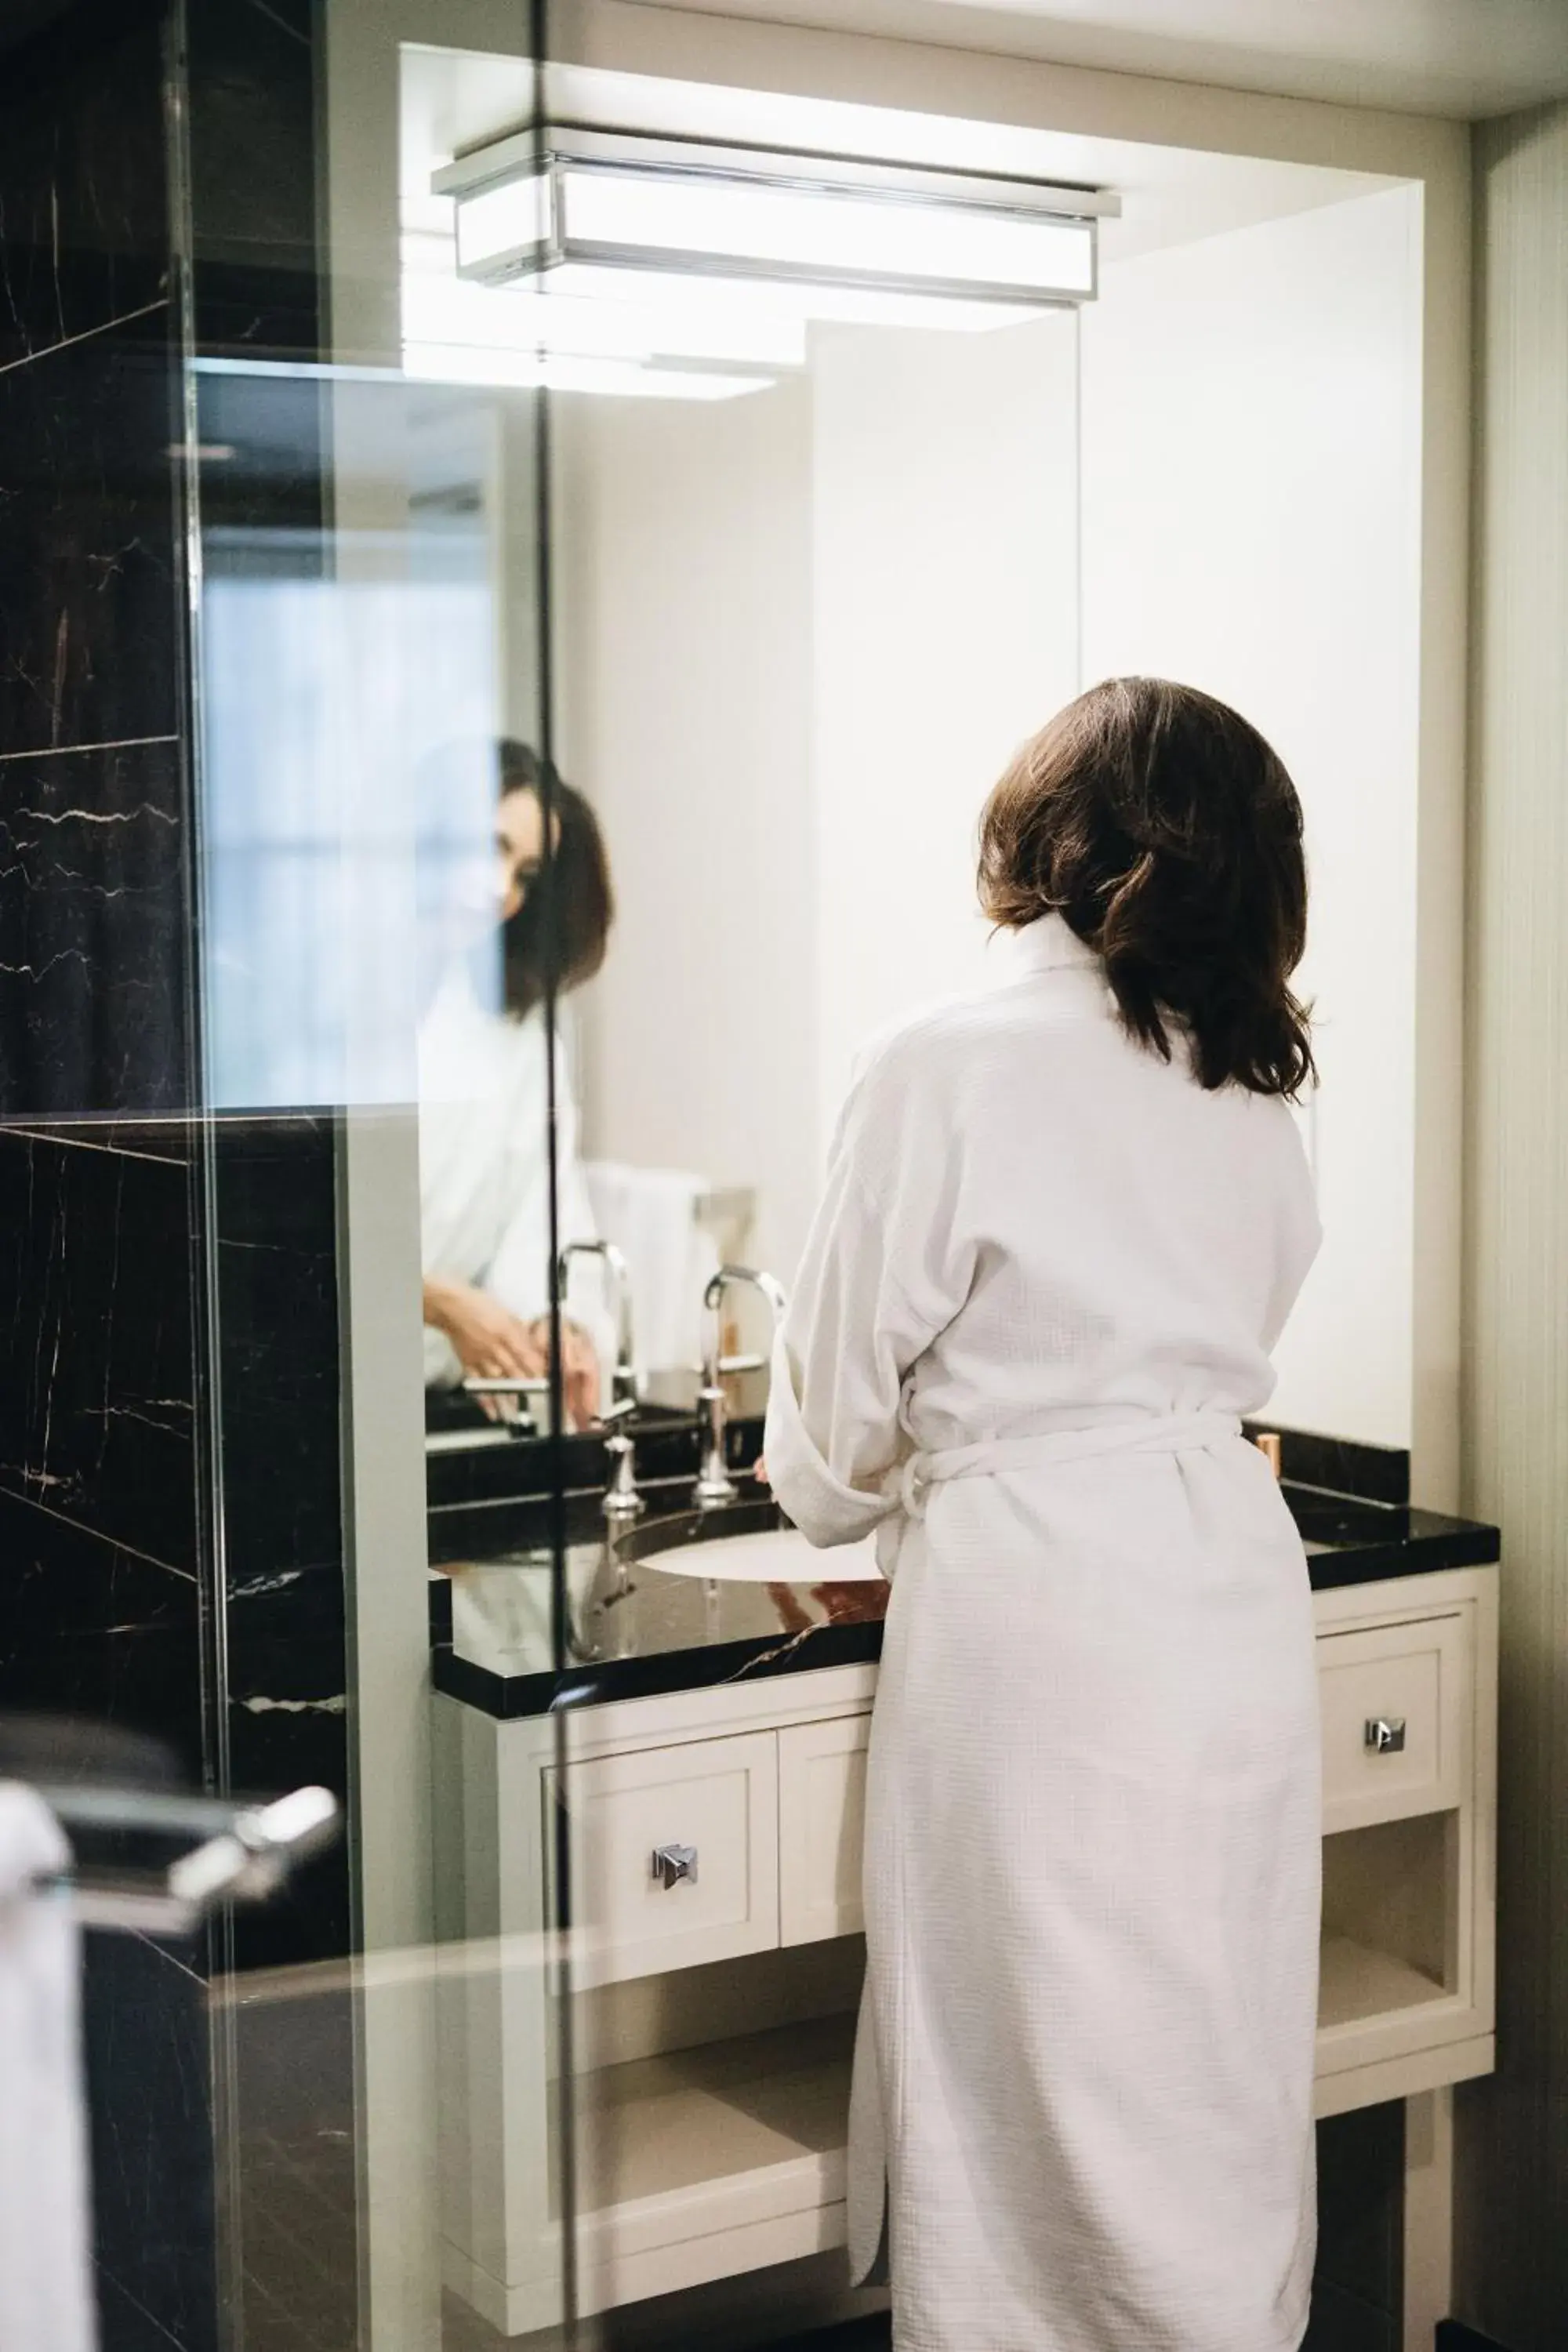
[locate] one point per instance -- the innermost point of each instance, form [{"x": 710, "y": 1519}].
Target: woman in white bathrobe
[
  {"x": 485, "y": 1129},
  {"x": 1065, "y": 1223}
]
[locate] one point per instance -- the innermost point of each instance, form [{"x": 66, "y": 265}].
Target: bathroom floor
[
  {"x": 1338, "y": 2326},
  {"x": 299, "y": 2244},
  {"x": 299, "y": 2250}
]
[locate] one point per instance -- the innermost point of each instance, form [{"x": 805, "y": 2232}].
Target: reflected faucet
[
  {"x": 622, "y": 1501},
  {"x": 623, "y": 1380},
  {"x": 714, "y": 1484}
]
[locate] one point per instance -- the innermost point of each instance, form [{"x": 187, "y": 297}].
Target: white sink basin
[{"x": 776, "y": 1556}]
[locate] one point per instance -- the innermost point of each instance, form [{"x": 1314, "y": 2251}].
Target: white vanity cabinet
[
  {"x": 713, "y": 1843},
  {"x": 713, "y": 1840}
]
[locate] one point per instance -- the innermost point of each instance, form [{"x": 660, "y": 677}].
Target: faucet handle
[
  {"x": 522, "y": 1398},
  {"x": 622, "y": 1501}
]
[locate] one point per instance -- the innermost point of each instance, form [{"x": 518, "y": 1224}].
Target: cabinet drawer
[
  {"x": 1414, "y": 1680},
  {"x": 821, "y": 1824},
  {"x": 716, "y": 1800}
]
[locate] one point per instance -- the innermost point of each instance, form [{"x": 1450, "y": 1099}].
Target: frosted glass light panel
[{"x": 525, "y": 206}]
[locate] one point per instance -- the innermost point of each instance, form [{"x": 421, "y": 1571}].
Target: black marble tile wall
[
  {"x": 274, "y": 1190},
  {"x": 109, "y": 1585},
  {"x": 294, "y": 1744},
  {"x": 128, "y": 1541},
  {"x": 102, "y": 1610},
  {"x": 276, "y": 1198},
  {"x": 90, "y": 1628},
  {"x": 145, "y": 2047},
  {"x": 108, "y": 1369},
  {"x": 94, "y": 863},
  {"x": 96, "y": 1372},
  {"x": 110, "y": 1592},
  {"x": 83, "y": 211},
  {"x": 254, "y": 166},
  {"x": 103, "y": 1613},
  {"x": 92, "y": 925},
  {"x": 87, "y": 544}
]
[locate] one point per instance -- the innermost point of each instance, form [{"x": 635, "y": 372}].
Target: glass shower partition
[
  {"x": 366, "y": 565},
  {"x": 572, "y": 505}
]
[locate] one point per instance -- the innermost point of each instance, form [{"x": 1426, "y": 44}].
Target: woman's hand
[
  {"x": 489, "y": 1340},
  {"x": 492, "y": 1343}
]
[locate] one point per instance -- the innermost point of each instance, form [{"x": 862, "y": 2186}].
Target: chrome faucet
[
  {"x": 624, "y": 1381},
  {"x": 714, "y": 1484},
  {"x": 622, "y": 1501}
]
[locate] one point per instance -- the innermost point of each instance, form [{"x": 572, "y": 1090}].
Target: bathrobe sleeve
[
  {"x": 884, "y": 1269},
  {"x": 519, "y": 1272}
]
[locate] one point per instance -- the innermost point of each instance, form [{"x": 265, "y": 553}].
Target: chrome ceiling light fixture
[
  {"x": 720, "y": 258},
  {"x": 530, "y": 205}
]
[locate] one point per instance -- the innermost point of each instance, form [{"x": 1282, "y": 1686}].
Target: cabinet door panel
[
  {"x": 710, "y": 1808},
  {"x": 1408, "y": 1686},
  {"x": 822, "y": 1822}
]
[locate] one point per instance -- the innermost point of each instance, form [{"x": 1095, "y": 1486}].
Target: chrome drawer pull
[
  {"x": 671, "y": 1863},
  {"x": 1385, "y": 1734}
]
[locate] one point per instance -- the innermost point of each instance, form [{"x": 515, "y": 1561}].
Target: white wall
[
  {"x": 944, "y": 629},
  {"x": 682, "y": 603},
  {"x": 799, "y": 635},
  {"x": 1251, "y": 524}
]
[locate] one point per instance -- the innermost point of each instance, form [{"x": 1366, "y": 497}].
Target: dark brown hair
[
  {"x": 1168, "y": 834},
  {"x": 570, "y": 925}
]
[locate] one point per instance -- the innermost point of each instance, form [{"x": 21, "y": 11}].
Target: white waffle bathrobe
[
  {"x": 484, "y": 1166},
  {"x": 1042, "y": 1287}
]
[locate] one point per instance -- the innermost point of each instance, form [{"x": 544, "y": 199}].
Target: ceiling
[
  {"x": 453, "y": 99},
  {"x": 1459, "y": 57}
]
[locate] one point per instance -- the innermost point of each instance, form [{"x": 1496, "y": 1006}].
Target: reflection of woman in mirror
[{"x": 484, "y": 1126}]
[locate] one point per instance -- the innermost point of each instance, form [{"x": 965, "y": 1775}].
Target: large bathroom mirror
[{"x": 818, "y": 556}]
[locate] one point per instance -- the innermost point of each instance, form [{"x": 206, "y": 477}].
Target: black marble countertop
[{"x": 632, "y": 1630}]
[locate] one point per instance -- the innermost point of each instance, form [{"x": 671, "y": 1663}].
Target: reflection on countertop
[{"x": 631, "y": 1630}]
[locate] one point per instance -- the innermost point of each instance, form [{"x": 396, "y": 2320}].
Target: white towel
[
  {"x": 650, "y": 1214},
  {"x": 46, "y": 2262}
]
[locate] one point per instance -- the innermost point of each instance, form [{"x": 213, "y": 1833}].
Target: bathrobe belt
[{"x": 909, "y": 1483}]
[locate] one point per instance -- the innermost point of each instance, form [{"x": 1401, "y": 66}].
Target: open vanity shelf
[
  {"x": 711, "y": 2021},
  {"x": 726, "y": 2136},
  {"x": 1357, "y": 1983}
]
